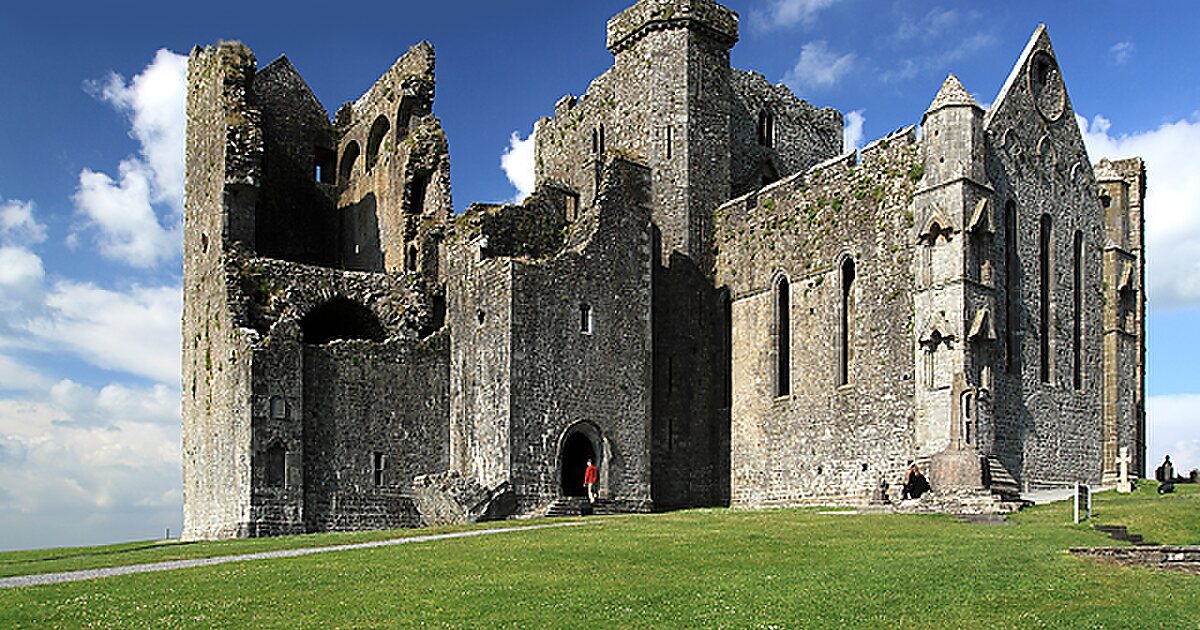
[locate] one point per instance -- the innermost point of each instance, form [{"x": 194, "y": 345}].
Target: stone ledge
[{"x": 1176, "y": 558}]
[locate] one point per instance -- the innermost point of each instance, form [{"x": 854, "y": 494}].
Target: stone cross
[{"x": 1123, "y": 461}]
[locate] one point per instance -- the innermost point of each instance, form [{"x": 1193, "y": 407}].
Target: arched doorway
[{"x": 577, "y": 449}]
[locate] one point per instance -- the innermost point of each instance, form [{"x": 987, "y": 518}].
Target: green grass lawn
[{"x": 699, "y": 568}]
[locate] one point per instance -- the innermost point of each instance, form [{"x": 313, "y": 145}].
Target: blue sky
[{"x": 91, "y": 158}]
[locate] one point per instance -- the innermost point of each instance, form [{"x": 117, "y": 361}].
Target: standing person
[
  {"x": 915, "y": 484},
  {"x": 590, "y": 476}
]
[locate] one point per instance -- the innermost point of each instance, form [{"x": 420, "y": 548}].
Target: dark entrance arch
[{"x": 577, "y": 449}]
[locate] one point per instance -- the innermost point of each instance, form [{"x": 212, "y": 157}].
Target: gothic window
[
  {"x": 1012, "y": 270},
  {"x": 766, "y": 128},
  {"x": 379, "y": 130},
  {"x": 845, "y": 320},
  {"x": 585, "y": 318},
  {"x": 1044, "y": 310},
  {"x": 1077, "y": 308},
  {"x": 378, "y": 465},
  {"x": 783, "y": 338},
  {"x": 349, "y": 158}
]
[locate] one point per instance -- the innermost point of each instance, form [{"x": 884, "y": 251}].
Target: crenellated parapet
[{"x": 647, "y": 16}]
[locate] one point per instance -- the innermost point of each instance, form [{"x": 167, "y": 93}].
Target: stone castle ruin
[{"x": 705, "y": 295}]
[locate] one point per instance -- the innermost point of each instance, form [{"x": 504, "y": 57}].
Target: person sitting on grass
[
  {"x": 915, "y": 484},
  {"x": 1165, "y": 474}
]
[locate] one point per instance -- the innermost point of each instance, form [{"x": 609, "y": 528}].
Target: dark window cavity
[
  {"x": 349, "y": 158},
  {"x": 1044, "y": 310},
  {"x": 783, "y": 338},
  {"x": 273, "y": 466},
  {"x": 766, "y": 128},
  {"x": 845, "y": 320},
  {"x": 323, "y": 165},
  {"x": 340, "y": 319},
  {"x": 585, "y": 318},
  {"x": 379, "y": 130},
  {"x": 378, "y": 465}
]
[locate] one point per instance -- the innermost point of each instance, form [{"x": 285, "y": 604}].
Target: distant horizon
[{"x": 91, "y": 200}]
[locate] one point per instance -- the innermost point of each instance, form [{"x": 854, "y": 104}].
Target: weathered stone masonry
[{"x": 704, "y": 295}]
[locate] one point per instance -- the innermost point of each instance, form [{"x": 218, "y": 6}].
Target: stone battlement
[{"x": 648, "y": 16}]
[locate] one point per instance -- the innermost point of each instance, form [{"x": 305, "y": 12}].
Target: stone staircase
[
  {"x": 580, "y": 506},
  {"x": 1001, "y": 482},
  {"x": 1120, "y": 532}
]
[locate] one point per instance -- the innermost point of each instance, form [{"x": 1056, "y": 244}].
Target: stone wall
[
  {"x": 818, "y": 439},
  {"x": 582, "y": 349},
  {"x": 224, "y": 148},
  {"x": 363, "y": 398},
  {"x": 1047, "y": 431}
]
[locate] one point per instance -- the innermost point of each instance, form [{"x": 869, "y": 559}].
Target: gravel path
[{"x": 92, "y": 574}]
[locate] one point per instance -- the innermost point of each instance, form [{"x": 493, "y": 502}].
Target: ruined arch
[
  {"x": 379, "y": 130},
  {"x": 408, "y": 109},
  {"x": 340, "y": 319},
  {"x": 578, "y": 443},
  {"x": 349, "y": 158}
]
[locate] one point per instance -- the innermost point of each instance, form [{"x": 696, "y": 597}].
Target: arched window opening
[
  {"x": 577, "y": 449},
  {"x": 1077, "y": 314},
  {"x": 783, "y": 338},
  {"x": 349, "y": 158},
  {"x": 846, "y": 320},
  {"x": 404, "y": 116},
  {"x": 1044, "y": 310},
  {"x": 420, "y": 186},
  {"x": 379, "y": 130},
  {"x": 1012, "y": 269},
  {"x": 766, "y": 128},
  {"x": 340, "y": 319}
]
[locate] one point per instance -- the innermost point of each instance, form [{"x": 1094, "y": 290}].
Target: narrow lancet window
[
  {"x": 585, "y": 318},
  {"x": 1012, "y": 270},
  {"x": 783, "y": 338},
  {"x": 1047, "y": 229},
  {"x": 845, "y": 321}
]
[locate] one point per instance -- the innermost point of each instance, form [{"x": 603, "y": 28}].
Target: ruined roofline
[
  {"x": 631, "y": 25},
  {"x": 1040, "y": 33},
  {"x": 420, "y": 60},
  {"x": 283, "y": 64}
]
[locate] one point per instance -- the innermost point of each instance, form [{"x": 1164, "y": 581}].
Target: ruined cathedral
[{"x": 707, "y": 294}]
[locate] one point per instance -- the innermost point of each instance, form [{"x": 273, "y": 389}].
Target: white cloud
[
  {"x": 818, "y": 67},
  {"x": 852, "y": 130},
  {"x": 517, "y": 162},
  {"x": 129, "y": 227},
  {"x": 1122, "y": 51},
  {"x": 16, "y": 376},
  {"x": 1172, "y": 202},
  {"x": 20, "y": 270},
  {"x": 785, "y": 13},
  {"x": 17, "y": 225},
  {"x": 136, "y": 331},
  {"x": 1173, "y": 429}
]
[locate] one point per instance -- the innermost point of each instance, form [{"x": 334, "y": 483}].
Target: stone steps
[
  {"x": 579, "y": 506},
  {"x": 1120, "y": 532},
  {"x": 1000, "y": 481}
]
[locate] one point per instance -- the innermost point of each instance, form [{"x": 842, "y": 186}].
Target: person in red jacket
[{"x": 590, "y": 476}]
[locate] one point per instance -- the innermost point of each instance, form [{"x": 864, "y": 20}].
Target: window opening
[
  {"x": 340, "y": 319},
  {"x": 378, "y": 465},
  {"x": 1044, "y": 305},
  {"x": 766, "y": 128},
  {"x": 349, "y": 158},
  {"x": 420, "y": 185},
  {"x": 846, "y": 320},
  {"x": 323, "y": 165},
  {"x": 1012, "y": 266},
  {"x": 585, "y": 318},
  {"x": 273, "y": 466},
  {"x": 379, "y": 130},
  {"x": 783, "y": 332},
  {"x": 278, "y": 408}
]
